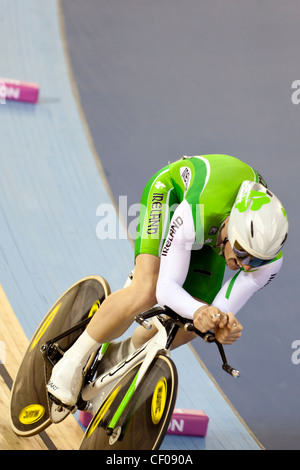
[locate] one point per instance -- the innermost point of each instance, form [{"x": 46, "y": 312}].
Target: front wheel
[{"x": 149, "y": 412}]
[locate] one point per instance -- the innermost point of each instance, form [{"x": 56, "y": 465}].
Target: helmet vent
[
  {"x": 252, "y": 229},
  {"x": 268, "y": 192}
]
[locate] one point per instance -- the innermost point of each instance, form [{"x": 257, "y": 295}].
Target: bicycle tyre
[
  {"x": 143, "y": 429},
  {"x": 29, "y": 408}
]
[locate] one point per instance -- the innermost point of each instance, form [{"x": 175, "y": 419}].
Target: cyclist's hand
[
  {"x": 230, "y": 332},
  {"x": 208, "y": 317}
]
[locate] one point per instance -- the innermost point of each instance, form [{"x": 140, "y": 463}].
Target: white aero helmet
[{"x": 258, "y": 224}]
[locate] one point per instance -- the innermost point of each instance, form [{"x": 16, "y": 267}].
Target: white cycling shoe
[
  {"x": 66, "y": 379},
  {"x": 67, "y": 375}
]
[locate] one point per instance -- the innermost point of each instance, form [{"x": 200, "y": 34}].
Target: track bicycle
[{"x": 132, "y": 401}]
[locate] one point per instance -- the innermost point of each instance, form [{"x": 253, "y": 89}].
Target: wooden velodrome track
[{"x": 67, "y": 435}]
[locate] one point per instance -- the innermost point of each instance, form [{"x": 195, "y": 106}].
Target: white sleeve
[
  {"x": 237, "y": 291},
  {"x": 174, "y": 264}
]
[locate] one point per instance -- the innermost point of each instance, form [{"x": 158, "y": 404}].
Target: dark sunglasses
[{"x": 245, "y": 258}]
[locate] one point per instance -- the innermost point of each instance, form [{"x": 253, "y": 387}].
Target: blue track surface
[{"x": 51, "y": 184}]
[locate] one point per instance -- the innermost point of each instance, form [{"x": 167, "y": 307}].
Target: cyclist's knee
[
  {"x": 144, "y": 280},
  {"x": 144, "y": 295},
  {"x": 149, "y": 296}
]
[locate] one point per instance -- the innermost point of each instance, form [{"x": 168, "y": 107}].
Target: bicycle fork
[{"x": 148, "y": 353}]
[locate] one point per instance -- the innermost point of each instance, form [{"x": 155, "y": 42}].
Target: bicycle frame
[
  {"x": 115, "y": 393},
  {"x": 94, "y": 392}
]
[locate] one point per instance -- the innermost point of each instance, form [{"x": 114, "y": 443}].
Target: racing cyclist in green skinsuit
[{"x": 197, "y": 215}]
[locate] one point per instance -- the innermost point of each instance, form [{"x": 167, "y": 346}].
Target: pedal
[{"x": 58, "y": 411}]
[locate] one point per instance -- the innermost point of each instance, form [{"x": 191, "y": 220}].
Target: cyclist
[{"x": 197, "y": 215}]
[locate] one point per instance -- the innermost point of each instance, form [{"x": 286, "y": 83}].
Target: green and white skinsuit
[{"x": 182, "y": 211}]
